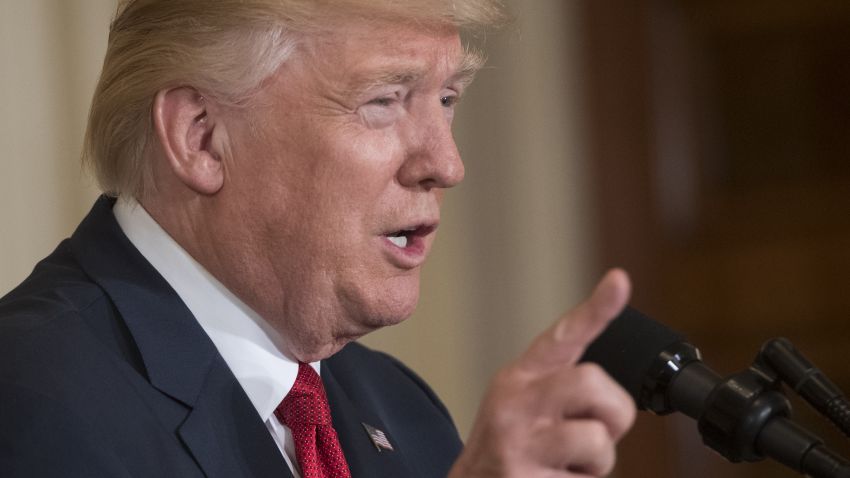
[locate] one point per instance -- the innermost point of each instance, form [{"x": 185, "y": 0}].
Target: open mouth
[{"x": 404, "y": 238}]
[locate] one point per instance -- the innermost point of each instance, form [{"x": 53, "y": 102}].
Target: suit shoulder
[
  {"x": 56, "y": 286},
  {"x": 55, "y": 314}
]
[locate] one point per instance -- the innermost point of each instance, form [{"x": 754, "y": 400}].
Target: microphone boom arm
[{"x": 745, "y": 416}]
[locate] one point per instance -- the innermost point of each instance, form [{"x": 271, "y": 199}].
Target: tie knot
[{"x": 306, "y": 403}]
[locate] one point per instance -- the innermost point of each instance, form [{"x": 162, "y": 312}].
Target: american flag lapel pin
[{"x": 378, "y": 437}]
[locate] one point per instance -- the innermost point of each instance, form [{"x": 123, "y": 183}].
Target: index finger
[{"x": 565, "y": 341}]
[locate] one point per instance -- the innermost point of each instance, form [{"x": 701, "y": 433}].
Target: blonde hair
[{"x": 223, "y": 48}]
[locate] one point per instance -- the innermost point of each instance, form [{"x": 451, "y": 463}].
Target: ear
[{"x": 185, "y": 128}]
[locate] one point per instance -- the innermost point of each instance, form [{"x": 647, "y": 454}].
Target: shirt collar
[{"x": 248, "y": 344}]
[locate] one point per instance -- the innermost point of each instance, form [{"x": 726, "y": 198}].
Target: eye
[
  {"x": 449, "y": 101},
  {"x": 382, "y": 111},
  {"x": 383, "y": 101}
]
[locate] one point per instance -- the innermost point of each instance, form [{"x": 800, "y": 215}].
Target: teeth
[{"x": 400, "y": 241}]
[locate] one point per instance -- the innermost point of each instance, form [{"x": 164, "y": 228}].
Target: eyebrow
[{"x": 470, "y": 63}]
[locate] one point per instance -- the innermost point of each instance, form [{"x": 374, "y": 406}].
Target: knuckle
[
  {"x": 601, "y": 446},
  {"x": 505, "y": 378},
  {"x": 589, "y": 450},
  {"x": 505, "y": 402},
  {"x": 593, "y": 371},
  {"x": 625, "y": 418},
  {"x": 606, "y": 464},
  {"x": 596, "y": 436},
  {"x": 591, "y": 376}
]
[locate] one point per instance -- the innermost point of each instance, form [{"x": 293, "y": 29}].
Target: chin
[
  {"x": 376, "y": 318},
  {"x": 391, "y": 308},
  {"x": 381, "y": 303}
]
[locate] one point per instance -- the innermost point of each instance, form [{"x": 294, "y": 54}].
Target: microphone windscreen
[{"x": 628, "y": 348}]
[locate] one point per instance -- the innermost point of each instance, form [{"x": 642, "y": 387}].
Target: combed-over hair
[{"x": 223, "y": 48}]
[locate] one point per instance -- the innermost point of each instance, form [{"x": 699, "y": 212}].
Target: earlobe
[{"x": 185, "y": 128}]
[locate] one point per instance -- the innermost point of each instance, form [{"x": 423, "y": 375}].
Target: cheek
[
  {"x": 377, "y": 150},
  {"x": 324, "y": 191},
  {"x": 357, "y": 178}
]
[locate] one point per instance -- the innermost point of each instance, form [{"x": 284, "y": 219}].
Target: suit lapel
[
  {"x": 364, "y": 458},
  {"x": 225, "y": 434},
  {"x": 222, "y": 430},
  {"x": 175, "y": 350}
]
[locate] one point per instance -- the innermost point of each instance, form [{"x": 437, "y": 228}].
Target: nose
[{"x": 432, "y": 159}]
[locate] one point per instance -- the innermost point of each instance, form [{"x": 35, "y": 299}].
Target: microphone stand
[
  {"x": 745, "y": 416},
  {"x": 779, "y": 356}
]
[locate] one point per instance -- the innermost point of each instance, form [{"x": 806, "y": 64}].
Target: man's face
[{"x": 336, "y": 174}]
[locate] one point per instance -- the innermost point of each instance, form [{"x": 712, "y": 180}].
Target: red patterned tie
[{"x": 306, "y": 412}]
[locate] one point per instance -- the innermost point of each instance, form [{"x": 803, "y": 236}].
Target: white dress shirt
[{"x": 249, "y": 346}]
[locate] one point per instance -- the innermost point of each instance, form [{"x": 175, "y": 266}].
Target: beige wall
[
  {"x": 514, "y": 246},
  {"x": 50, "y": 54}
]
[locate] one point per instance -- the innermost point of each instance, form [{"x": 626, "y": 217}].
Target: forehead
[{"x": 388, "y": 52}]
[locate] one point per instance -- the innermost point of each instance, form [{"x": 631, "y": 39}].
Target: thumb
[{"x": 565, "y": 341}]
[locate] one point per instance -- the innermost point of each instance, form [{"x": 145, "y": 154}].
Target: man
[{"x": 278, "y": 167}]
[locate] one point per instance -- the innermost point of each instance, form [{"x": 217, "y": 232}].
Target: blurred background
[{"x": 702, "y": 145}]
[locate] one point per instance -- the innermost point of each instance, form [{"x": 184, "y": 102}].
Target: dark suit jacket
[{"x": 104, "y": 372}]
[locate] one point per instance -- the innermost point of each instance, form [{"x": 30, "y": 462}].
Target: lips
[
  {"x": 407, "y": 246},
  {"x": 403, "y": 238}
]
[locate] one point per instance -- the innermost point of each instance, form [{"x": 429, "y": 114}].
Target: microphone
[{"x": 744, "y": 417}]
